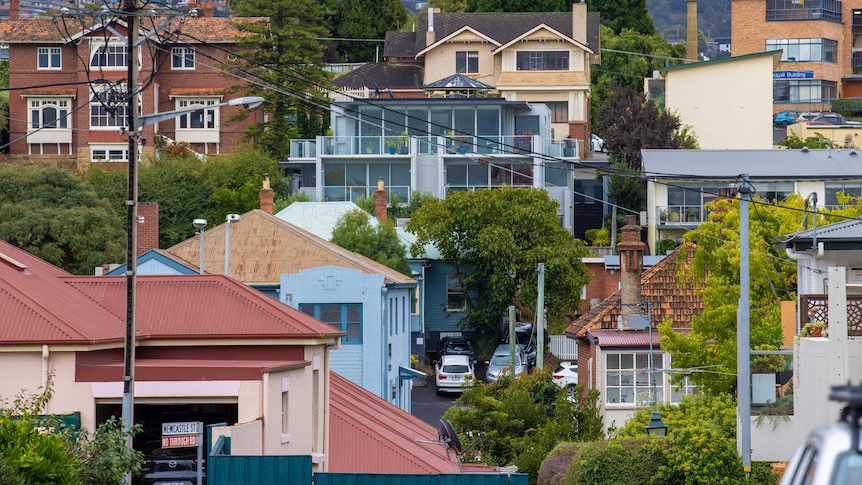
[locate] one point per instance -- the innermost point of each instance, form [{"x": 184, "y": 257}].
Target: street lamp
[
  {"x": 656, "y": 426},
  {"x": 201, "y": 224},
  {"x": 136, "y": 122},
  {"x": 230, "y": 218}
]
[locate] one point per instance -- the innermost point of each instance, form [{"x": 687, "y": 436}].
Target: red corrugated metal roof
[
  {"x": 627, "y": 338},
  {"x": 202, "y": 306},
  {"x": 370, "y": 435},
  {"x": 40, "y": 303}
]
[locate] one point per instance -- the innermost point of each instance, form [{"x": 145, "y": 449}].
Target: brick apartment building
[
  {"x": 68, "y": 76},
  {"x": 822, "y": 57}
]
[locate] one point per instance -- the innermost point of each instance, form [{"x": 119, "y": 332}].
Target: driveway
[{"x": 428, "y": 405}]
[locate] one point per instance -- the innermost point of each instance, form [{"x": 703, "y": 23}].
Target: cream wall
[
  {"x": 837, "y": 134},
  {"x": 440, "y": 60},
  {"x": 728, "y": 104}
]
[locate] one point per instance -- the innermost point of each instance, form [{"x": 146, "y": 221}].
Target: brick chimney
[
  {"x": 691, "y": 31},
  {"x": 207, "y": 9},
  {"x": 148, "y": 226},
  {"x": 14, "y": 10},
  {"x": 380, "y": 200},
  {"x": 631, "y": 250},
  {"x": 267, "y": 196}
]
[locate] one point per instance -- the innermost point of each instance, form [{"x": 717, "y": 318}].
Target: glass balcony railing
[{"x": 401, "y": 145}]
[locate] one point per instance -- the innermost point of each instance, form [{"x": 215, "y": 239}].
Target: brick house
[
  {"x": 820, "y": 58},
  {"x": 68, "y": 79}
]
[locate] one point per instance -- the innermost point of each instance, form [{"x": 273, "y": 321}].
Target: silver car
[
  {"x": 831, "y": 454},
  {"x": 500, "y": 363}
]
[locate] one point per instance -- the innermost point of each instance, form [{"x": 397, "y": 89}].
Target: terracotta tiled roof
[
  {"x": 503, "y": 27},
  {"x": 263, "y": 247},
  {"x": 40, "y": 30},
  {"x": 51, "y": 306},
  {"x": 668, "y": 297},
  {"x": 370, "y": 435},
  {"x": 54, "y": 91}
]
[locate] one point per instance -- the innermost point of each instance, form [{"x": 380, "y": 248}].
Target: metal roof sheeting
[{"x": 370, "y": 435}]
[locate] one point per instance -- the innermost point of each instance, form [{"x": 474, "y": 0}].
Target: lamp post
[
  {"x": 656, "y": 426},
  {"x": 137, "y": 122},
  {"x": 230, "y": 218},
  {"x": 201, "y": 224}
]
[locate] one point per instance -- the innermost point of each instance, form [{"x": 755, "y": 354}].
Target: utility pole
[
  {"x": 743, "y": 336},
  {"x": 540, "y": 320},
  {"x": 128, "y": 411}
]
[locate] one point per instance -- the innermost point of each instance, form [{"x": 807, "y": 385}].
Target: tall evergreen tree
[
  {"x": 518, "y": 6},
  {"x": 287, "y": 54},
  {"x": 624, "y": 14},
  {"x": 366, "y": 19}
]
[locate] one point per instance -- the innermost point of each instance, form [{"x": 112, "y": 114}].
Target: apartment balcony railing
[
  {"x": 814, "y": 308},
  {"x": 680, "y": 214},
  {"x": 525, "y": 145}
]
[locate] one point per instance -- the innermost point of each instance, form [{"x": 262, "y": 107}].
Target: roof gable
[
  {"x": 660, "y": 286},
  {"x": 464, "y": 34},
  {"x": 370, "y": 435},
  {"x": 159, "y": 257},
  {"x": 539, "y": 33},
  {"x": 263, "y": 247}
]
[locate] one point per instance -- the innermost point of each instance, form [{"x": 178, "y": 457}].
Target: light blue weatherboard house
[{"x": 439, "y": 304}]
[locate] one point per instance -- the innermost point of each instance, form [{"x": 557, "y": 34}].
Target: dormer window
[
  {"x": 467, "y": 62},
  {"x": 543, "y": 61}
]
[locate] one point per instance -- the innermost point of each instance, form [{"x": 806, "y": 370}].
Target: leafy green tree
[
  {"x": 624, "y": 14},
  {"x": 713, "y": 267},
  {"x": 366, "y": 19},
  {"x": 186, "y": 188},
  {"x": 397, "y": 209},
  {"x": 523, "y": 419},
  {"x": 106, "y": 454},
  {"x": 701, "y": 442},
  {"x": 353, "y": 231},
  {"x": 449, "y": 5},
  {"x": 495, "y": 240},
  {"x": 59, "y": 218},
  {"x": 287, "y": 55},
  {"x": 630, "y": 122}
]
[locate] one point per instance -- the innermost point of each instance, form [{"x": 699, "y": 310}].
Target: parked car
[
  {"x": 566, "y": 374},
  {"x": 831, "y": 454},
  {"x": 455, "y": 346},
  {"x": 171, "y": 466},
  {"x": 526, "y": 340},
  {"x": 786, "y": 117},
  {"x": 454, "y": 373},
  {"x": 807, "y": 115},
  {"x": 597, "y": 143},
  {"x": 828, "y": 119},
  {"x": 500, "y": 364}
]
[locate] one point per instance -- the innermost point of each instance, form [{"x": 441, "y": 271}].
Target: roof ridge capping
[{"x": 13, "y": 262}]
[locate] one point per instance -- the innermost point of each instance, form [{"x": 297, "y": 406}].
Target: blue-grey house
[{"x": 365, "y": 299}]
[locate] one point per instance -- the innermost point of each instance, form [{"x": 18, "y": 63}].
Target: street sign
[
  {"x": 176, "y": 429},
  {"x": 183, "y": 441}
]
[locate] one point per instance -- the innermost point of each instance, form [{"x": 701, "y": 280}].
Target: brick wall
[
  {"x": 602, "y": 284},
  {"x": 148, "y": 230}
]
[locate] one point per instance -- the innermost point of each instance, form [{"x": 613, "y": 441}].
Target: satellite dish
[
  {"x": 453, "y": 443},
  {"x": 442, "y": 432}
]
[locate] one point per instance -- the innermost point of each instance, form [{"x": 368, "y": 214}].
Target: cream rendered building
[{"x": 727, "y": 102}]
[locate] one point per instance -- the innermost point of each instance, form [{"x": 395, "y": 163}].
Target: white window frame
[
  {"x": 208, "y": 115},
  {"x": 116, "y": 50},
  {"x": 49, "y": 55},
  {"x": 106, "y": 152},
  {"x": 456, "y": 297},
  {"x": 182, "y": 58},
  {"x": 112, "y": 121},
  {"x": 631, "y": 373},
  {"x": 685, "y": 388},
  {"x": 63, "y": 118}
]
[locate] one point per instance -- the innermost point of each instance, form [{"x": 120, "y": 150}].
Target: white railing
[{"x": 564, "y": 347}]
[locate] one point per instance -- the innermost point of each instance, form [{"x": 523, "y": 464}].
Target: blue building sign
[{"x": 792, "y": 74}]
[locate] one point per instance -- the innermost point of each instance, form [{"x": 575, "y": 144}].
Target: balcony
[
  {"x": 680, "y": 214},
  {"x": 814, "y": 308},
  {"x": 400, "y": 145}
]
